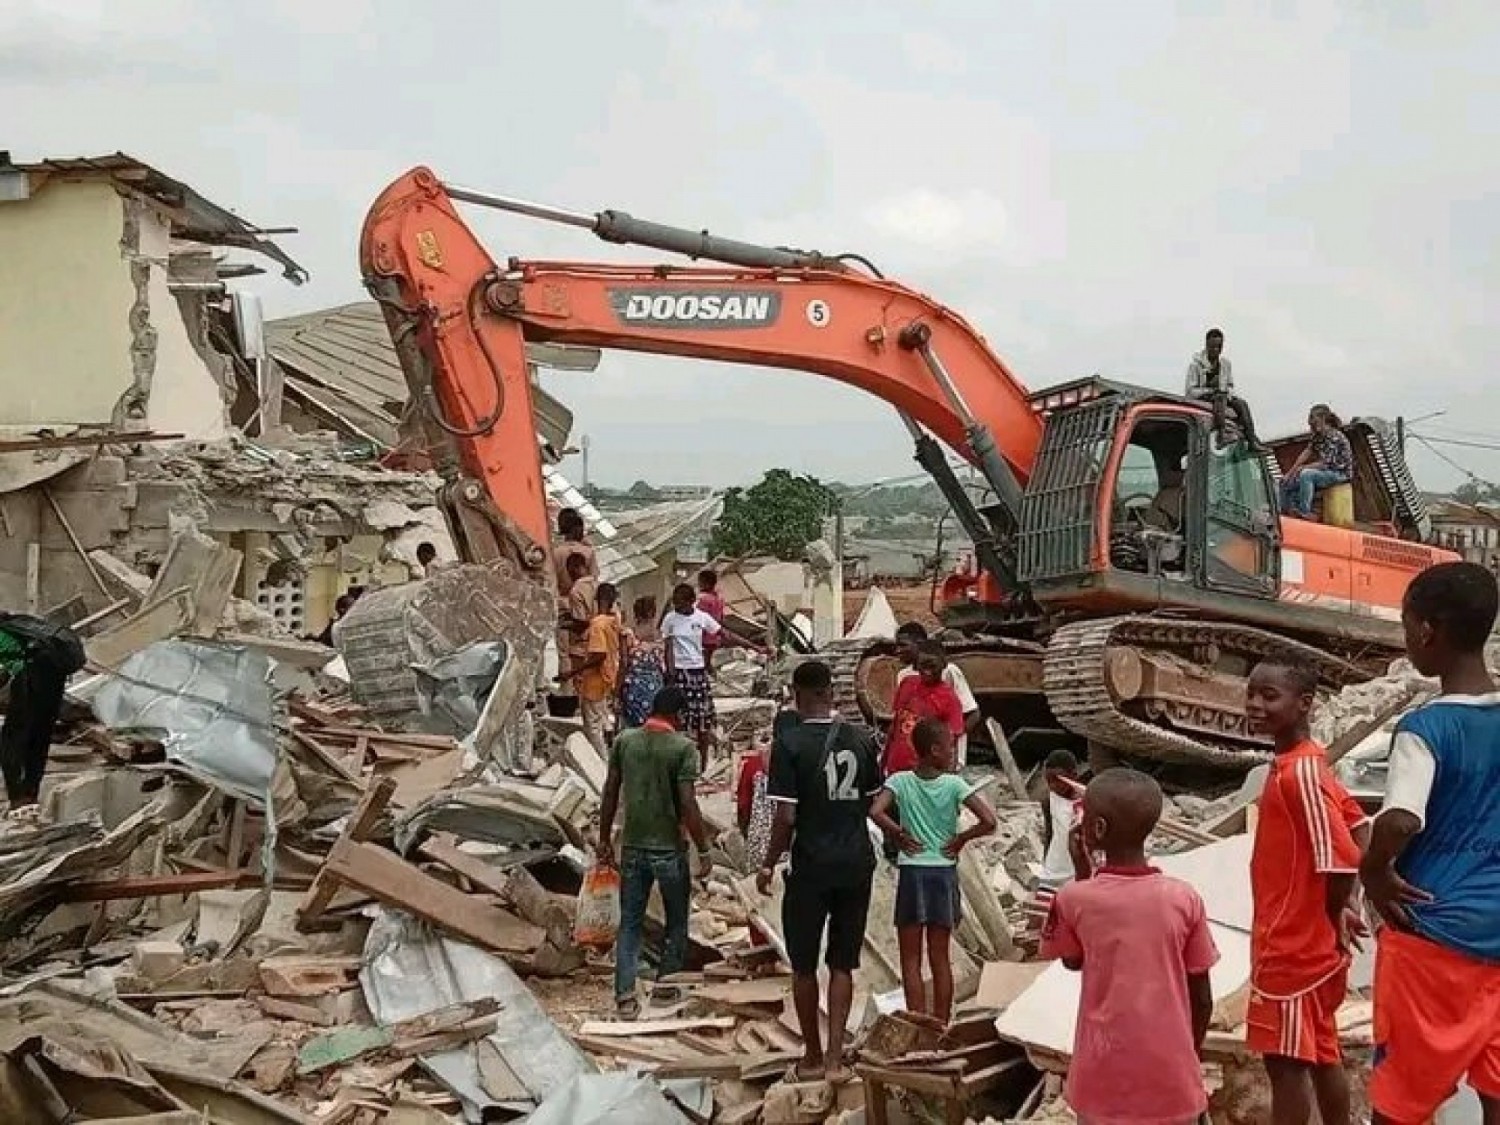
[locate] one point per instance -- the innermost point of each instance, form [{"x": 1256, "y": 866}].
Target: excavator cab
[{"x": 1137, "y": 500}]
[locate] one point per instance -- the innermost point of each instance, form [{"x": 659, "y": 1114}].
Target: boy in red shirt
[
  {"x": 1302, "y": 874},
  {"x": 1143, "y": 944},
  {"x": 923, "y": 696}
]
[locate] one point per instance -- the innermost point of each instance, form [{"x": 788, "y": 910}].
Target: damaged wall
[
  {"x": 65, "y": 300},
  {"x": 184, "y": 396},
  {"x": 92, "y": 333}
]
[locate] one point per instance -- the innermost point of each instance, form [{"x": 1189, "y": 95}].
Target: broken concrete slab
[
  {"x": 155, "y": 621},
  {"x": 580, "y": 754},
  {"x": 207, "y": 568}
]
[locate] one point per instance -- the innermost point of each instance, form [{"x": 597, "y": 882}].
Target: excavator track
[
  {"x": 843, "y": 659},
  {"x": 1075, "y": 676}
]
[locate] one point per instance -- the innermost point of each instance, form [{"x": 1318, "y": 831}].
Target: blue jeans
[
  {"x": 1297, "y": 493},
  {"x": 639, "y": 868}
]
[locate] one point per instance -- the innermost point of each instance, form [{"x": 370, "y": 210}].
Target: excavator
[{"x": 1130, "y": 561}]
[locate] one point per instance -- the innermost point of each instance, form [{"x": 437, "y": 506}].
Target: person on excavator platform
[
  {"x": 1209, "y": 373},
  {"x": 1328, "y": 460}
]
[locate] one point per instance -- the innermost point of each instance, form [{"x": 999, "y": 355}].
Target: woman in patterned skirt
[{"x": 643, "y": 667}]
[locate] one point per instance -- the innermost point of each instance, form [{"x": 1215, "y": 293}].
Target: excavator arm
[{"x": 461, "y": 323}]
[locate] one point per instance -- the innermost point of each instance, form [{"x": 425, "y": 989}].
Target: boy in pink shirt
[{"x": 1142, "y": 942}]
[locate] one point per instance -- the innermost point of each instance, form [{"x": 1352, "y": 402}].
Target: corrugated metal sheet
[
  {"x": 193, "y": 217},
  {"x": 627, "y": 543},
  {"x": 340, "y": 363}
]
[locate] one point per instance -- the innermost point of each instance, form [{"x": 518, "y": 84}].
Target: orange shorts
[
  {"x": 1437, "y": 1020},
  {"x": 1304, "y": 1027}
]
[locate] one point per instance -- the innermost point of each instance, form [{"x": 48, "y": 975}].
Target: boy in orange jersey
[{"x": 1302, "y": 873}]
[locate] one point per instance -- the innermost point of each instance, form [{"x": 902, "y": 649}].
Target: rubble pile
[{"x": 289, "y": 895}]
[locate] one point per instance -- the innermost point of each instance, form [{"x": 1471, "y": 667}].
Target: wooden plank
[
  {"x": 1356, "y": 734},
  {"x": 444, "y": 849},
  {"x": 397, "y": 883},
  {"x": 73, "y": 441},
  {"x": 1013, "y": 775},
  {"x": 1181, "y": 830},
  {"x": 150, "y": 886},
  {"x": 375, "y": 734},
  {"x": 939, "y": 1084},
  {"x": 33, "y": 578},
  {"x": 322, "y": 754},
  {"x": 300, "y": 977},
  {"x": 704, "y": 1045},
  {"x": 726, "y": 1066},
  {"x": 652, "y": 1054},
  {"x": 626, "y": 1029},
  {"x": 77, "y": 546},
  {"x": 291, "y": 1010},
  {"x": 361, "y": 823}
]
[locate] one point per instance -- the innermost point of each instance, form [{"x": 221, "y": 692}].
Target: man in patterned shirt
[{"x": 1327, "y": 460}]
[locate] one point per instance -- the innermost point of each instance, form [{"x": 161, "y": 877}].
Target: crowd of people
[{"x": 1427, "y": 866}]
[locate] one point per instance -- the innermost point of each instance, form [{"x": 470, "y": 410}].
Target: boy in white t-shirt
[
  {"x": 1060, "y": 810},
  {"x": 683, "y": 630},
  {"x": 909, "y": 637}
]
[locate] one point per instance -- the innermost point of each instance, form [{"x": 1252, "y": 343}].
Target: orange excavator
[{"x": 1131, "y": 562}]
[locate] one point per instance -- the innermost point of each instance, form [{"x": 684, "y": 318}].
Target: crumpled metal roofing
[
  {"x": 626, "y": 542},
  {"x": 194, "y": 217},
  {"x": 340, "y": 363}
]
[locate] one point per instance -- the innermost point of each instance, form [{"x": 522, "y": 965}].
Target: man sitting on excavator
[{"x": 1210, "y": 375}]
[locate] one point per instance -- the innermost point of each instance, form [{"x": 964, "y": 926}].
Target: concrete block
[
  {"x": 105, "y": 471},
  {"x": 157, "y": 960}
]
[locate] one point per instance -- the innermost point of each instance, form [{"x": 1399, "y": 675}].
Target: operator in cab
[{"x": 1210, "y": 373}]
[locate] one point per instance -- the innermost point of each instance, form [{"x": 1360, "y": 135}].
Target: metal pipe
[
  {"x": 994, "y": 557},
  {"x": 521, "y": 207},
  {"x": 997, "y": 471},
  {"x": 945, "y": 382},
  {"x": 624, "y": 229}
]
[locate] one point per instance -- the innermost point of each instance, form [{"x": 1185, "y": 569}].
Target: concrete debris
[{"x": 283, "y": 881}]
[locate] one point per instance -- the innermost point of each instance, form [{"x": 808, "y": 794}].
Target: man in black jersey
[{"x": 824, "y": 775}]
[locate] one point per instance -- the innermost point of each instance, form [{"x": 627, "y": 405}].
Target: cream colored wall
[
  {"x": 185, "y": 397},
  {"x": 65, "y": 297}
]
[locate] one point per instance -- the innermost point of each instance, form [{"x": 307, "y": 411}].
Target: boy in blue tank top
[{"x": 1432, "y": 869}]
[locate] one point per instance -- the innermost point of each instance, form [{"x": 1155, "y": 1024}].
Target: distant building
[{"x": 1473, "y": 530}]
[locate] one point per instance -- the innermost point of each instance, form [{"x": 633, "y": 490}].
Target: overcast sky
[{"x": 1091, "y": 183}]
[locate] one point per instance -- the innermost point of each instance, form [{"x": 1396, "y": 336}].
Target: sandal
[
  {"x": 667, "y": 994},
  {"x": 628, "y": 1007}
]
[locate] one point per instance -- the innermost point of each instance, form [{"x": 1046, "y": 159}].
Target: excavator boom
[{"x": 452, "y": 309}]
